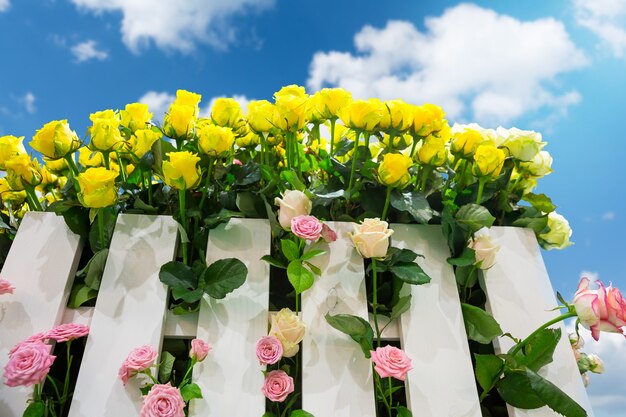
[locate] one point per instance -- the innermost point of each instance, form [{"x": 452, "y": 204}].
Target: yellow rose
[
  {"x": 433, "y": 151},
  {"x": 105, "y": 131},
  {"x": 559, "y": 234},
  {"x": 326, "y": 103},
  {"x": 187, "y": 98},
  {"x": 227, "y": 112},
  {"x": 290, "y": 90},
  {"x": 290, "y": 111},
  {"x": 427, "y": 118},
  {"x": 55, "y": 139},
  {"x": 180, "y": 121},
  {"x": 250, "y": 139},
  {"x": 181, "y": 170},
  {"x": 97, "y": 187},
  {"x": 47, "y": 178},
  {"x": 465, "y": 143},
  {"x": 142, "y": 141},
  {"x": 488, "y": 161},
  {"x": 26, "y": 169},
  {"x": 362, "y": 114},
  {"x": 289, "y": 330},
  {"x": 397, "y": 116},
  {"x": 399, "y": 141},
  {"x": 394, "y": 170},
  {"x": 89, "y": 158},
  {"x": 135, "y": 116},
  {"x": 215, "y": 140},
  {"x": 55, "y": 165},
  {"x": 260, "y": 115},
  {"x": 10, "y": 146},
  {"x": 10, "y": 196},
  {"x": 371, "y": 238}
]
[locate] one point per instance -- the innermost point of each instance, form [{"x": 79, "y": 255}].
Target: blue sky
[{"x": 558, "y": 67}]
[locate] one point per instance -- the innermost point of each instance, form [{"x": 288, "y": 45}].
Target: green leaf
[
  {"x": 403, "y": 411},
  {"x": 289, "y": 249},
  {"x": 77, "y": 219},
  {"x": 403, "y": 304},
  {"x": 515, "y": 389},
  {"x": 410, "y": 272},
  {"x": 269, "y": 414},
  {"x": 223, "y": 277},
  {"x": 313, "y": 268},
  {"x": 36, "y": 409},
  {"x": 109, "y": 225},
  {"x": 145, "y": 390},
  {"x": 301, "y": 278},
  {"x": 488, "y": 370},
  {"x": 291, "y": 177},
  {"x": 539, "y": 350},
  {"x": 190, "y": 391},
  {"x": 140, "y": 205},
  {"x": 537, "y": 224},
  {"x": 479, "y": 325},
  {"x": 247, "y": 203},
  {"x": 554, "y": 397},
  {"x": 189, "y": 296},
  {"x": 474, "y": 217},
  {"x": 401, "y": 255},
  {"x": 467, "y": 258},
  {"x": 273, "y": 261},
  {"x": 466, "y": 276},
  {"x": 80, "y": 294},
  {"x": 540, "y": 201},
  {"x": 177, "y": 274},
  {"x": 312, "y": 254},
  {"x": 357, "y": 328},
  {"x": 167, "y": 364},
  {"x": 300, "y": 413},
  {"x": 247, "y": 174},
  {"x": 221, "y": 217},
  {"x": 414, "y": 203},
  {"x": 95, "y": 269}
]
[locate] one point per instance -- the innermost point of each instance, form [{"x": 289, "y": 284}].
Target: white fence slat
[
  {"x": 336, "y": 377},
  {"x": 231, "y": 377},
  {"x": 432, "y": 332},
  {"x": 520, "y": 297},
  {"x": 129, "y": 312},
  {"x": 40, "y": 265}
]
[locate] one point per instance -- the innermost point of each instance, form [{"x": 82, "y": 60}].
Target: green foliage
[
  {"x": 356, "y": 327},
  {"x": 479, "y": 325}
]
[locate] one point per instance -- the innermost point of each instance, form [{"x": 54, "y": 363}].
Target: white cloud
[
  {"x": 608, "y": 216},
  {"x": 29, "y": 102},
  {"x": 477, "y": 64},
  {"x": 175, "y": 25},
  {"x": 4, "y": 5},
  {"x": 242, "y": 100},
  {"x": 87, "y": 50},
  {"x": 593, "y": 276},
  {"x": 607, "y": 20}
]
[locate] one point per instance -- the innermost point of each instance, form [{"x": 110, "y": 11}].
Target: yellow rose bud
[
  {"x": 47, "y": 178},
  {"x": 260, "y": 115},
  {"x": 326, "y": 103},
  {"x": 104, "y": 114},
  {"x": 488, "y": 161},
  {"x": 97, "y": 187},
  {"x": 290, "y": 90},
  {"x": 399, "y": 141},
  {"x": 250, "y": 140},
  {"x": 142, "y": 141},
  {"x": 26, "y": 169},
  {"x": 227, "y": 112},
  {"x": 427, "y": 118},
  {"x": 465, "y": 143},
  {"x": 10, "y": 196},
  {"x": 215, "y": 140},
  {"x": 290, "y": 112},
  {"x": 559, "y": 235},
  {"x": 55, "y": 165},
  {"x": 55, "y": 139},
  {"x": 398, "y": 116},
  {"x": 394, "y": 170},
  {"x": 180, "y": 121},
  {"x": 105, "y": 131},
  {"x": 89, "y": 158},
  {"x": 135, "y": 116},
  {"x": 10, "y": 146},
  {"x": 362, "y": 114},
  {"x": 187, "y": 98},
  {"x": 433, "y": 151},
  {"x": 181, "y": 170}
]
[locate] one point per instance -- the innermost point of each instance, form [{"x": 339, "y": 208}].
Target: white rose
[
  {"x": 559, "y": 234},
  {"x": 585, "y": 378},
  {"x": 485, "y": 250},
  {"x": 596, "y": 365},
  {"x": 294, "y": 203},
  {"x": 522, "y": 144},
  {"x": 576, "y": 341},
  {"x": 371, "y": 238},
  {"x": 540, "y": 166},
  {"x": 289, "y": 330}
]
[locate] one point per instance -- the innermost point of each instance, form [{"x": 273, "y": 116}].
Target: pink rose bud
[
  {"x": 163, "y": 400},
  {"x": 36, "y": 338},
  {"x": 391, "y": 361},
  {"x": 199, "y": 349},
  {"x": 269, "y": 350},
  {"x": 69, "y": 331},
  {"x": 138, "y": 360},
  {"x": 5, "y": 287},
  {"x": 599, "y": 310},
  {"x": 277, "y": 386},
  {"x": 29, "y": 364},
  {"x": 328, "y": 234},
  {"x": 306, "y": 227},
  {"x": 237, "y": 162}
]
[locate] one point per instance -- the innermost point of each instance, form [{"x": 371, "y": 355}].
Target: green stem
[
  {"x": 54, "y": 386},
  {"x": 36, "y": 393},
  {"x": 100, "y": 217},
  {"x": 71, "y": 164},
  {"x": 122, "y": 167},
  {"x": 380, "y": 389},
  {"x": 66, "y": 383},
  {"x": 191, "y": 365},
  {"x": 524, "y": 342},
  {"x": 205, "y": 190},
  {"x": 354, "y": 158},
  {"x": 386, "y": 207},
  {"x": 332, "y": 135},
  {"x": 390, "y": 399},
  {"x": 148, "y": 184},
  {"x": 424, "y": 177},
  {"x": 415, "y": 140},
  {"x": 30, "y": 192},
  {"x": 183, "y": 219},
  {"x": 149, "y": 373},
  {"x": 375, "y": 300},
  {"x": 105, "y": 158},
  {"x": 481, "y": 186}
]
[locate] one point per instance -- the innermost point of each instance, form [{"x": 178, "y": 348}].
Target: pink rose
[
  {"x": 163, "y": 400},
  {"x": 599, "y": 310},
  {"x": 199, "y": 349},
  {"x": 269, "y": 350},
  {"x": 277, "y": 386},
  {"x": 391, "y": 361},
  {"x": 29, "y": 364},
  {"x": 5, "y": 287},
  {"x": 36, "y": 338},
  {"x": 328, "y": 234},
  {"x": 306, "y": 227},
  {"x": 138, "y": 360},
  {"x": 237, "y": 162},
  {"x": 69, "y": 331}
]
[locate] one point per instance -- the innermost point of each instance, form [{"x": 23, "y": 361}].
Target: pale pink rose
[
  {"x": 5, "y": 287},
  {"x": 391, "y": 361},
  {"x": 485, "y": 251},
  {"x": 599, "y": 310},
  {"x": 138, "y": 360},
  {"x": 69, "y": 331},
  {"x": 371, "y": 238},
  {"x": 328, "y": 234},
  {"x": 28, "y": 365},
  {"x": 163, "y": 400},
  {"x": 36, "y": 338},
  {"x": 294, "y": 203},
  {"x": 199, "y": 349},
  {"x": 269, "y": 350},
  {"x": 277, "y": 386},
  {"x": 307, "y": 227},
  {"x": 237, "y": 162}
]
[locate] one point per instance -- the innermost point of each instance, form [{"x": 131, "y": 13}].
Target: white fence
[{"x": 131, "y": 310}]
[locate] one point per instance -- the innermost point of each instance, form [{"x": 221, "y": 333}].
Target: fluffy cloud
[
  {"x": 29, "y": 102},
  {"x": 87, "y": 50},
  {"x": 4, "y": 5},
  {"x": 607, "y": 20},
  {"x": 476, "y": 63},
  {"x": 174, "y": 25}
]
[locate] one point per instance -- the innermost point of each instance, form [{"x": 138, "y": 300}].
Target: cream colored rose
[
  {"x": 522, "y": 144},
  {"x": 371, "y": 238},
  {"x": 485, "y": 250},
  {"x": 289, "y": 329},
  {"x": 559, "y": 234},
  {"x": 540, "y": 166},
  {"x": 294, "y": 203},
  {"x": 596, "y": 365}
]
